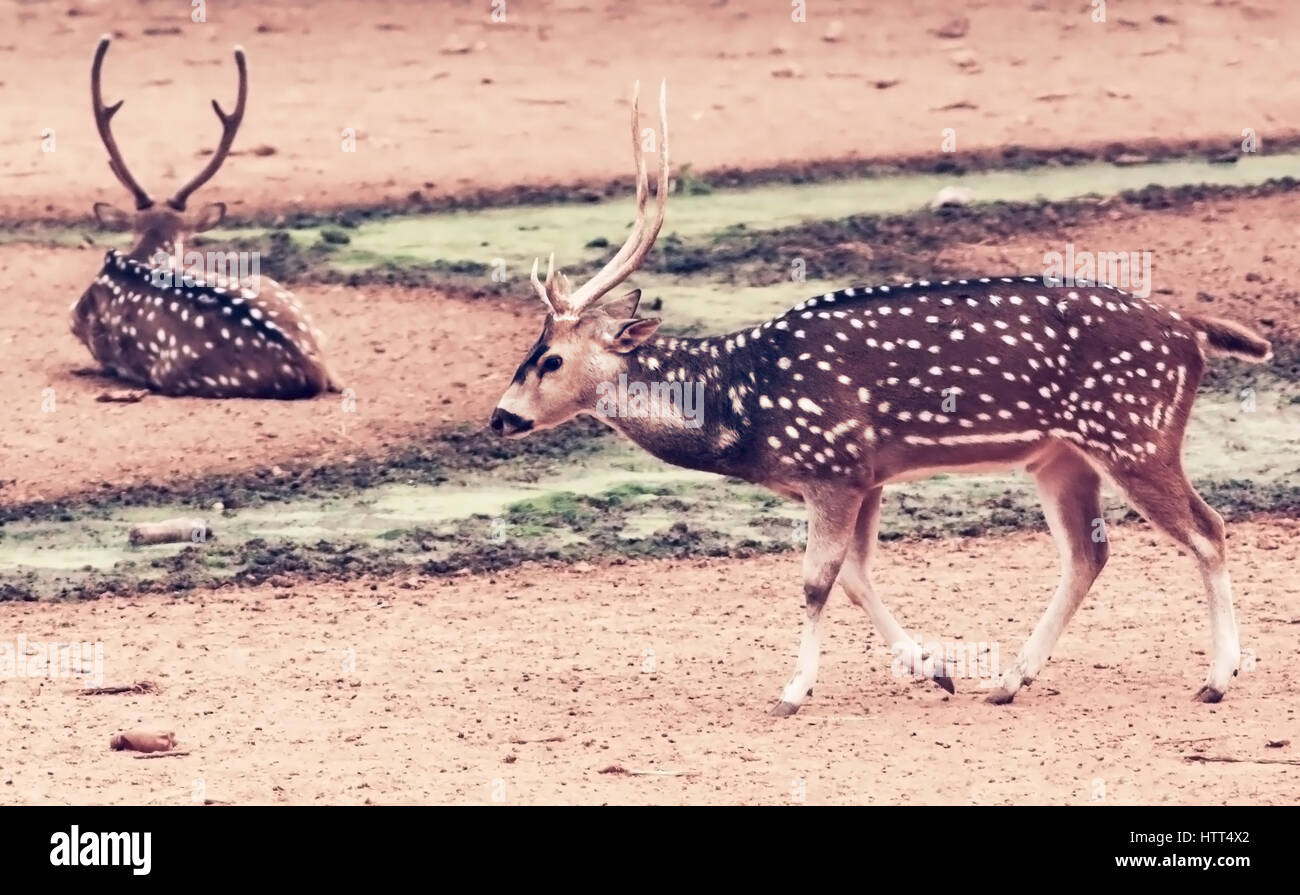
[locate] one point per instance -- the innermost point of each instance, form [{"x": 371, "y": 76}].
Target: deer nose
[{"x": 506, "y": 423}]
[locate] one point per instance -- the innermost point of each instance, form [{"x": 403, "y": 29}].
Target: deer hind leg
[
  {"x": 1071, "y": 493},
  {"x": 1163, "y": 494},
  {"x": 855, "y": 578},
  {"x": 830, "y": 528}
]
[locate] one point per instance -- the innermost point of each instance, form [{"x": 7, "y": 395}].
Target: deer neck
[
  {"x": 151, "y": 244},
  {"x": 682, "y": 400}
]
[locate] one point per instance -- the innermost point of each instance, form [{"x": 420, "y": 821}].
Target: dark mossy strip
[
  {"x": 567, "y": 528},
  {"x": 429, "y": 461}
]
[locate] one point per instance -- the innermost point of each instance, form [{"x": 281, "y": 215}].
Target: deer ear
[
  {"x": 112, "y": 217},
  {"x": 209, "y": 216},
  {"x": 623, "y": 307},
  {"x": 632, "y": 334}
]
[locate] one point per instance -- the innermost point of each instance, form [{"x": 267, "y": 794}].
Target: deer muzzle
[{"x": 509, "y": 424}]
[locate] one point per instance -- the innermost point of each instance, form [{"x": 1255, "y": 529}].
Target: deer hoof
[
  {"x": 783, "y": 710},
  {"x": 946, "y": 683},
  {"x": 1000, "y": 696},
  {"x": 1208, "y": 694}
]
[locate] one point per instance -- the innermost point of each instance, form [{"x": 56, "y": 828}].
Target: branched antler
[
  {"x": 229, "y": 126},
  {"x": 555, "y": 292},
  {"x": 103, "y": 118}
]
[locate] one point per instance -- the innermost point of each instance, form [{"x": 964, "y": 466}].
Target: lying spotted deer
[
  {"x": 181, "y": 333},
  {"x": 856, "y": 389}
]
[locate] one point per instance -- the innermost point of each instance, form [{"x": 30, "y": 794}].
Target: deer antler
[
  {"x": 103, "y": 122},
  {"x": 229, "y": 125},
  {"x": 542, "y": 288},
  {"x": 639, "y": 241}
]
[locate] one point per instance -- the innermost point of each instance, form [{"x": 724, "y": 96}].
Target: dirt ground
[
  {"x": 446, "y": 101},
  {"x": 541, "y": 684},
  {"x": 419, "y": 362}
]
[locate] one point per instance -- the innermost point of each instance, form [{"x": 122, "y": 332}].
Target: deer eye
[{"x": 552, "y": 363}]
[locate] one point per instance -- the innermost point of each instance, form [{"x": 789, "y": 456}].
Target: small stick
[
  {"x": 137, "y": 687},
  {"x": 638, "y": 772},
  {"x": 162, "y": 755},
  {"x": 122, "y": 396},
  {"x": 1242, "y": 760}
]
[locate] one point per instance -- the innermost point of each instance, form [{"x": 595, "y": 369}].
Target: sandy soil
[
  {"x": 417, "y": 362},
  {"x": 530, "y": 686},
  {"x": 539, "y": 98}
]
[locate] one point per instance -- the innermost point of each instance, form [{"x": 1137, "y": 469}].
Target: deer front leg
[
  {"x": 855, "y": 578},
  {"x": 831, "y": 517}
]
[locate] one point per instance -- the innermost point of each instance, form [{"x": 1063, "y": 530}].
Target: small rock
[
  {"x": 170, "y": 531},
  {"x": 1127, "y": 159},
  {"x": 453, "y": 45},
  {"x": 965, "y": 60},
  {"x": 953, "y": 29},
  {"x": 834, "y": 31},
  {"x": 952, "y": 195},
  {"x": 142, "y": 741},
  {"x": 787, "y": 71}
]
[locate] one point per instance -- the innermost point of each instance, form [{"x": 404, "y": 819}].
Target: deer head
[
  {"x": 586, "y": 340},
  {"x": 159, "y": 227}
]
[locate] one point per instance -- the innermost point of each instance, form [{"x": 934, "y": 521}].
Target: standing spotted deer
[
  {"x": 856, "y": 389},
  {"x": 211, "y": 335}
]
